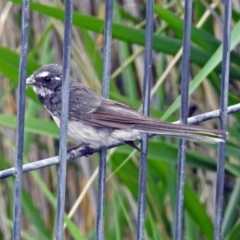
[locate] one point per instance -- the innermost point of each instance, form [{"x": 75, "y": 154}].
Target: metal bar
[
  {"x": 105, "y": 94},
  {"x": 146, "y": 106},
  {"x": 17, "y": 210},
  {"x": 101, "y": 195},
  {"x": 55, "y": 160},
  {"x": 64, "y": 120},
  {"x": 223, "y": 119},
  {"x": 178, "y": 228}
]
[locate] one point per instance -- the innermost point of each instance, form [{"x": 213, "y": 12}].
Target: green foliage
[{"x": 41, "y": 134}]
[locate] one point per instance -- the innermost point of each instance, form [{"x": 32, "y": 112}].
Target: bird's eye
[{"x": 47, "y": 79}]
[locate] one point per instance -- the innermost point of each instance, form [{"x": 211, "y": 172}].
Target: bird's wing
[
  {"x": 96, "y": 111},
  {"x": 82, "y": 100},
  {"x": 117, "y": 115}
]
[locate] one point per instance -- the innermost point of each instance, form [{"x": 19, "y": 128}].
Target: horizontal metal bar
[
  {"x": 211, "y": 115},
  {"x": 54, "y": 160}
]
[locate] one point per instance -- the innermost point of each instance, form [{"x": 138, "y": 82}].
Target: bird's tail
[{"x": 187, "y": 132}]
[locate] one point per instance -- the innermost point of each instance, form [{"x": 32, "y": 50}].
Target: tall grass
[{"x": 41, "y": 134}]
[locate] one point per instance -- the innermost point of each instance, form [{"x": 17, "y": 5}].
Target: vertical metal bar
[
  {"x": 146, "y": 105},
  {"x": 64, "y": 120},
  {"x": 17, "y": 210},
  {"x": 223, "y": 118},
  {"x": 105, "y": 93},
  {"x": 183, "y": 117}
]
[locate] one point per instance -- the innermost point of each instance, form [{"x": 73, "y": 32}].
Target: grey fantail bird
[{"x": 98, "y": 122}]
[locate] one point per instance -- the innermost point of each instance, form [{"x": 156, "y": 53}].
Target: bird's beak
[{"x": 30, "y": 81}]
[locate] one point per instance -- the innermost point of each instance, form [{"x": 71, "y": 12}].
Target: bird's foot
[
  {"x": 83, "y": 149},
  {"x": 87, "y": 151}
]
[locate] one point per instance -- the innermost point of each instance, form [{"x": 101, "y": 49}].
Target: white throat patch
[{"x": 42, "y": 91}]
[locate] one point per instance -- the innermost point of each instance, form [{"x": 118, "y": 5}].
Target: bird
[{"x": 97, "y": 122}]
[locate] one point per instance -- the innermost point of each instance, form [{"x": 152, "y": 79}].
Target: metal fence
[{"x": 19, "y": 168}]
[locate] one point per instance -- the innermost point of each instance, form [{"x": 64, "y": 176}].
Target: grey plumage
[{"x": 99, "y": 122}]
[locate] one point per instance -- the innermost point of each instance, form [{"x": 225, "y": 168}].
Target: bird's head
[{"x": 46, "y": 79}]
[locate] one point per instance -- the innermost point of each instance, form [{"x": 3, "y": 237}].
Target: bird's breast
[{"x": 97, "y": 137}]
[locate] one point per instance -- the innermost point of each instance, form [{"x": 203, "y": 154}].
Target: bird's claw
[{"x": 84, "y": 149}]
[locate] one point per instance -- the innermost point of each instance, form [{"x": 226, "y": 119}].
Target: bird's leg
[
  {"x": 83, "y": 148},
  {"x": 75, "y": 148},
  {"x": 132, "y": 144}
]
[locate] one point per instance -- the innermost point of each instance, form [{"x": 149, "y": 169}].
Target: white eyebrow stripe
[{"x": 43, "y": 74}]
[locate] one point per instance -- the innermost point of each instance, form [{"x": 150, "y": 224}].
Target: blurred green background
[{"x": 41, "y": 134}]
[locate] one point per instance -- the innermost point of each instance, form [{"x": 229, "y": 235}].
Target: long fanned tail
[
  {"x": 192, "y": 137},
  {"x": 187, "y": 132}
]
